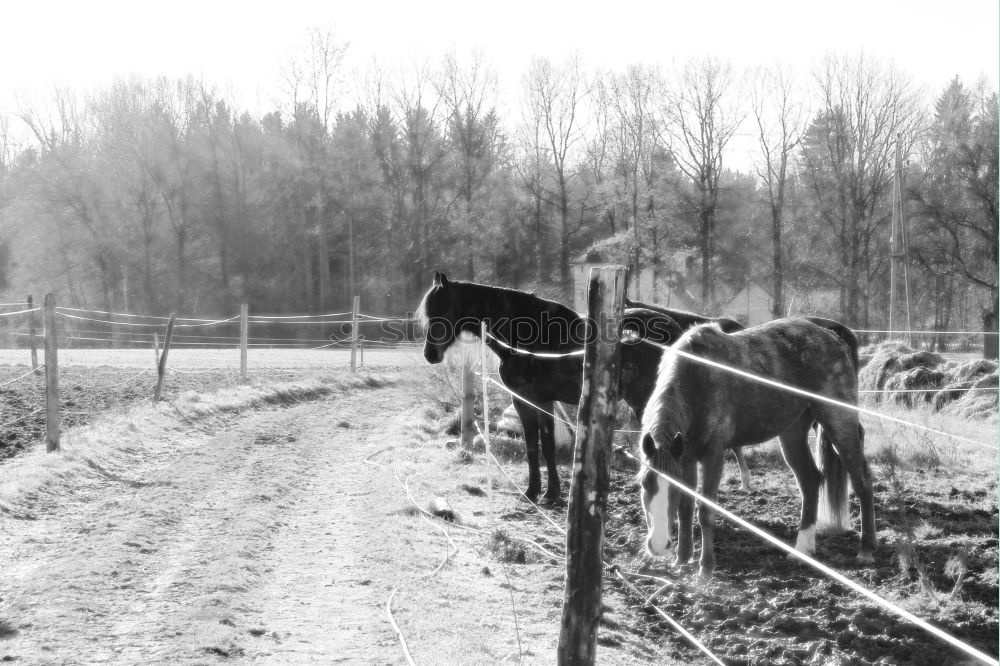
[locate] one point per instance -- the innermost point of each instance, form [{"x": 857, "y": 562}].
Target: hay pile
[{"x": 894, "y": 372}]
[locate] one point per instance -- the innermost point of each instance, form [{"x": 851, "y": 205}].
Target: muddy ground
[{"x": 278, "y": 535}]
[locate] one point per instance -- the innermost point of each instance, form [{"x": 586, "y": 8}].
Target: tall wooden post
[
  {"x": 243, "y": 341},
  {"x": 161, "y": 369},
  {"x": 32, "y": 341},
  {"x": 485, "y": 368},
  {"x": 589, "y": 492},
  {"x": 354, "y": 333},
  {"x": 51, "y": 374},
  {"x": 468, "y": 423}
]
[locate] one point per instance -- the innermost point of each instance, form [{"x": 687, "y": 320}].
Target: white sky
[{"x": 86, "y": 43}]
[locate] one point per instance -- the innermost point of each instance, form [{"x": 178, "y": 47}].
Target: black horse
[{"x": 539, "y": 344}]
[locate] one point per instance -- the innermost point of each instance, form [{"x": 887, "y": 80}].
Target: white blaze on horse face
[{"x": 657, "y": 509}]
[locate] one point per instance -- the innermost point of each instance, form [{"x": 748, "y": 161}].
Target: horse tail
[{"x": 834, "y": 511}]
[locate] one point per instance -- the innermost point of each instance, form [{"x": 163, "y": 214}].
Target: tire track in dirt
[{"x": 215, "y": 547}]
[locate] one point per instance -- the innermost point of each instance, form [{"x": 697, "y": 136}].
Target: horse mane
[
  {"x": 668, "y": 411},
  {"x": 420, "y": 314}
]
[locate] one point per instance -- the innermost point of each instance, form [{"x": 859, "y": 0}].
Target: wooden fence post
[
  {"x": 354, "y": 333},
  {"x": 485, "y": 368},
  {"x": 51, "y": 374},
  {"x": 361, "y": 349},
  {"x": 468, "y": 423},
  {"x": 161, "y": 368},
  {"x": 33, "y": 343},
  {"x": 244, "y": 308},
  {"x": 581, "y": 612},
  {"x": 156, "y": 349}
]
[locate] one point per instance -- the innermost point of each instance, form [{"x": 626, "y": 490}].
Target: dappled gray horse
[{"x": 696, "y": 412}]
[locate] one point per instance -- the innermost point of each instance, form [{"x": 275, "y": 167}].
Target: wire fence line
[
  {"x": 835, "y": 575},
  {"x": 788, "y": 388},
  {"x": 822, "y": 568},
  {"x": 82, "y": 333},
  {"x": 611, "y": 567}
]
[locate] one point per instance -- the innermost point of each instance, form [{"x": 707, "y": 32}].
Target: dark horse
[
  {"x": 687, "y": 320},
  {"x": 520, "y": 326},
  {"x": 696, "y": 412}
]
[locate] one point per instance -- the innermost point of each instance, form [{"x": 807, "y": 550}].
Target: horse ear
[
  {"x": 437, "y": 278},
  {"x": 677, "y": 445},
  {"x": 648, "y": 446},
  {"x": 444, "y": 279}
]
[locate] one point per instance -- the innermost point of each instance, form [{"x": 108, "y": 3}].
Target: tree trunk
[
  {"x": 351, "y": 285},
  {"x": 777, "y": 264},
  {"x": 989, "y": 318},
  {"x": 305, "y": 259},
  {"x": 539, "y": 241},
  {"x": 564, "y": 275},
  {"x": 323, "y": 246}
]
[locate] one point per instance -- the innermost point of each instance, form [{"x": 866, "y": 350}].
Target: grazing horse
[
  {"x": 697, "y": 411},
  {"x": 539, "y": 344},
  {"x": 688, "y": 319}
]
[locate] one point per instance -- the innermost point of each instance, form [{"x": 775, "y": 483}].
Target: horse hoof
[
  {"x": 706, "y": 574},
  {"x": 865, "y": 557},
  {"x": 552, "y": 500}
]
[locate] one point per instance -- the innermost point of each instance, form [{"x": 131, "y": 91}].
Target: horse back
[
  {"x": 686, "y": 319},
  {"x": 847, "y": 336}
]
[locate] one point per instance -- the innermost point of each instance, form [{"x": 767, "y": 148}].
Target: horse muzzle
[
  {"x": 433, "y": 355},
  {"x": 657, "y": 547}
]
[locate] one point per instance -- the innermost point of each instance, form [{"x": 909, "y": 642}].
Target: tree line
[{"x": 157, "y": 195}]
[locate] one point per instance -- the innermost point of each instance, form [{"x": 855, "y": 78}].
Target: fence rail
[{"x": 67, "y": 329}]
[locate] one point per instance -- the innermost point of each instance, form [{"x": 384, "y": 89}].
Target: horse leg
[
  {"x": 847, "y": 437},
  {"x": 529, "y": 424},
  {"x": 711, "y": 476},
  {"x": 547, "y": 434},
  {"x": 685, "y": 511},
  {"x": 795, "y": 449},
  {"x": 744, "y": 469}
]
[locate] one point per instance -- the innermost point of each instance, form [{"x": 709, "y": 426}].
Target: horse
[
  {"x": 696, "y": 412},
  {"x": 539, "y": 343},
  {"x": 688, "y": 319}
]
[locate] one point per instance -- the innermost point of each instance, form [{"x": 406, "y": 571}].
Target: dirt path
[
  {"x": 277, "y": 537},
  {"x": 242, "y": 544}
]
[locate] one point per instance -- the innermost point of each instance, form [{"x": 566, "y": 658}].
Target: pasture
[{"x": 277, "y": 522}]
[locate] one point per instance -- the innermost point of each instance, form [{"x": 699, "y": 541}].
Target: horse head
[
  {"x": 438, "y": 317},
  {"x": 660, "y": 498}
]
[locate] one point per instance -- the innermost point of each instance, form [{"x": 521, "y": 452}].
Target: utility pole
[{"x": 899, "y": 247}]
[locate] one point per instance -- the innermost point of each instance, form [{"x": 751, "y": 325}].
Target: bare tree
[
  {"x": 419, "y": 111},
  {"x": 865, "y": 107},
  {"x": 313, "y": 79},
  {"x": 553, "y": 98},
  {"x": 474, "y": 135},
  {"x": 636, "y": 131},
  {"x": 700, "y": 119},
  {"x": 780, "y": 113}
]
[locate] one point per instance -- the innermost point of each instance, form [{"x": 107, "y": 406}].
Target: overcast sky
[{"x": 88, "y": 43}]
